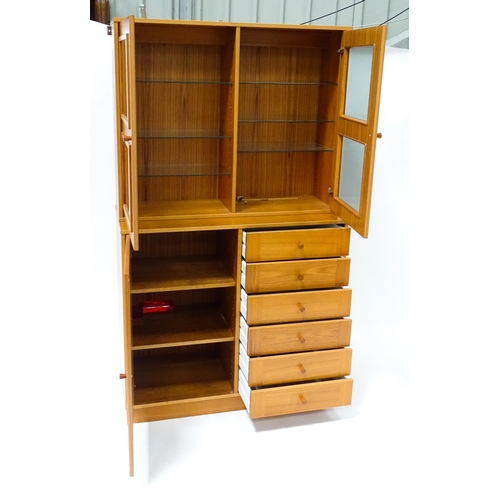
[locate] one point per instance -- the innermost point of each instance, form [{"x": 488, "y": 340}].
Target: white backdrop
[{"x": 361, "y": 448}]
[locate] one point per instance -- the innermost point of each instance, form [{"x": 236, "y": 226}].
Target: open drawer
[
  {"x": 295, "y": 367},
  {"x": 296, "y": 398}
]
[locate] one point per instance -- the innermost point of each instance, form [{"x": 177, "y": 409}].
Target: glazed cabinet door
[
  {"x": 361, "y": 60},
  {"x": 126, "y": 126}
]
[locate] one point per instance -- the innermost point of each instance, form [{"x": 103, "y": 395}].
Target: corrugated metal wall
[{"x": 366, "y": 13}]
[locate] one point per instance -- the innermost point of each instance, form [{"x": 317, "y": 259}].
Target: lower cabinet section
[
  {"x": 208, "y": 331},
  {"x": 295, "y": 398}
]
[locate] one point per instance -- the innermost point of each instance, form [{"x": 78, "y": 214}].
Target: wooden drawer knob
[
  {"x": 303, "y": 399},
  {"x": 301, "y": 277},
  {"x": 301, "y": 245},
  {"x": 301, "y": 339},
  {"x": 302, "y": 369},
  {"x": 301, "y": 307},
  {"x": 122, "y": 376}
]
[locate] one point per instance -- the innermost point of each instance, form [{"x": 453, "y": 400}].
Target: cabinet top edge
[{"x": 189, "y": 22}]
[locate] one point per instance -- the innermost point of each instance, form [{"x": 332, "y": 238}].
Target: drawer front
[
  {"x": 261, "y": 246},
  {"x": 295, "y": 337},
  {"x": 295, "y": 275},
  {"x": 295, "y": 398},
  {"x": 299, "y": 367},
  {"x": 295, "y": 306}
]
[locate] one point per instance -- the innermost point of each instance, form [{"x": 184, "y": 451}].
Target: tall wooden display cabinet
[{"x": 245, "y": 156}]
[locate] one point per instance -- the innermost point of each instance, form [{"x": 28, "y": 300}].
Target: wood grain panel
[
  {"x": 182, "y": 34},
  {"x": 269, "y": 37},
  {"x": 276, "y": 175}
]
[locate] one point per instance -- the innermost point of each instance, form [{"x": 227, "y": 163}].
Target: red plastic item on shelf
[{"x": 157, "y": 306}]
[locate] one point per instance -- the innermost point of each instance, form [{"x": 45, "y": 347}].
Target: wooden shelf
[
  {"x": 171, "y": 274},
  {"x": 175, "y": 209},
  {"x": 163, "y": 379},
  {"x": 315, "y": 84},
  {"x": 186, "y": 325},
  {"x": 284, "y": 120},
  {"x": 277, "y": 147},
  {"x": 181, "y": 82},
  {"x": 197, "y": 209}
]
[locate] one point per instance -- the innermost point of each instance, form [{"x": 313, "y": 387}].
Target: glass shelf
[
  {"x": 325, "y": 84},
  {"x": 251, "y": 147},
  {"x": 284, "y": 120},
  {"x": 190, "y": 82},
  {"x": 180, "y": 170},
  {"x": 182, "y": 134}
]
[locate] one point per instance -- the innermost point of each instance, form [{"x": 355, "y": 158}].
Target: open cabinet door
[
  {"x": 128, "y": 200},
  {"x": 127, "y": 342},
  {"x": 360, "y": 77}
]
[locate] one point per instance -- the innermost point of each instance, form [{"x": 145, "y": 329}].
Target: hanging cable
[
  {"x": 331, "y": 13},
  {"x": 394, "y": 17}
]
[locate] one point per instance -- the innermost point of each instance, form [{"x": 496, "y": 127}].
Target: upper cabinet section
[
  {"x": 286, "y": 119},
  {"x": 220, "y": 120}
]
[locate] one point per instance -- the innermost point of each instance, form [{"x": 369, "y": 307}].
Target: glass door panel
[
  {"x": 358, "y": 82},
  {"x": 362, "y": 53},
  {"x": 351, "y": 172}
]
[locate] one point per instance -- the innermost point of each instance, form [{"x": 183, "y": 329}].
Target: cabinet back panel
[
  {"x": 162, "y": 161},
  {"x": 177, "y": 62},
  {"x": 186, "y": 244},
  {"x": 276, "y": 175},
  {"x": 207, "y": 35},
  {"x": 220, "y": 244},
  {"x": 280, "y": 64},
  {"x": 177, "y": 188},
  {"x": 281, "y": 108},
  {"x": 182, "y": 161},
  {"x": 177, "y": 107},
  {"x": 269, "y": 37}
]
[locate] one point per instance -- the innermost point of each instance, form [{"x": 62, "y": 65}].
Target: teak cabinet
[{"x": 245, "y": 155}]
